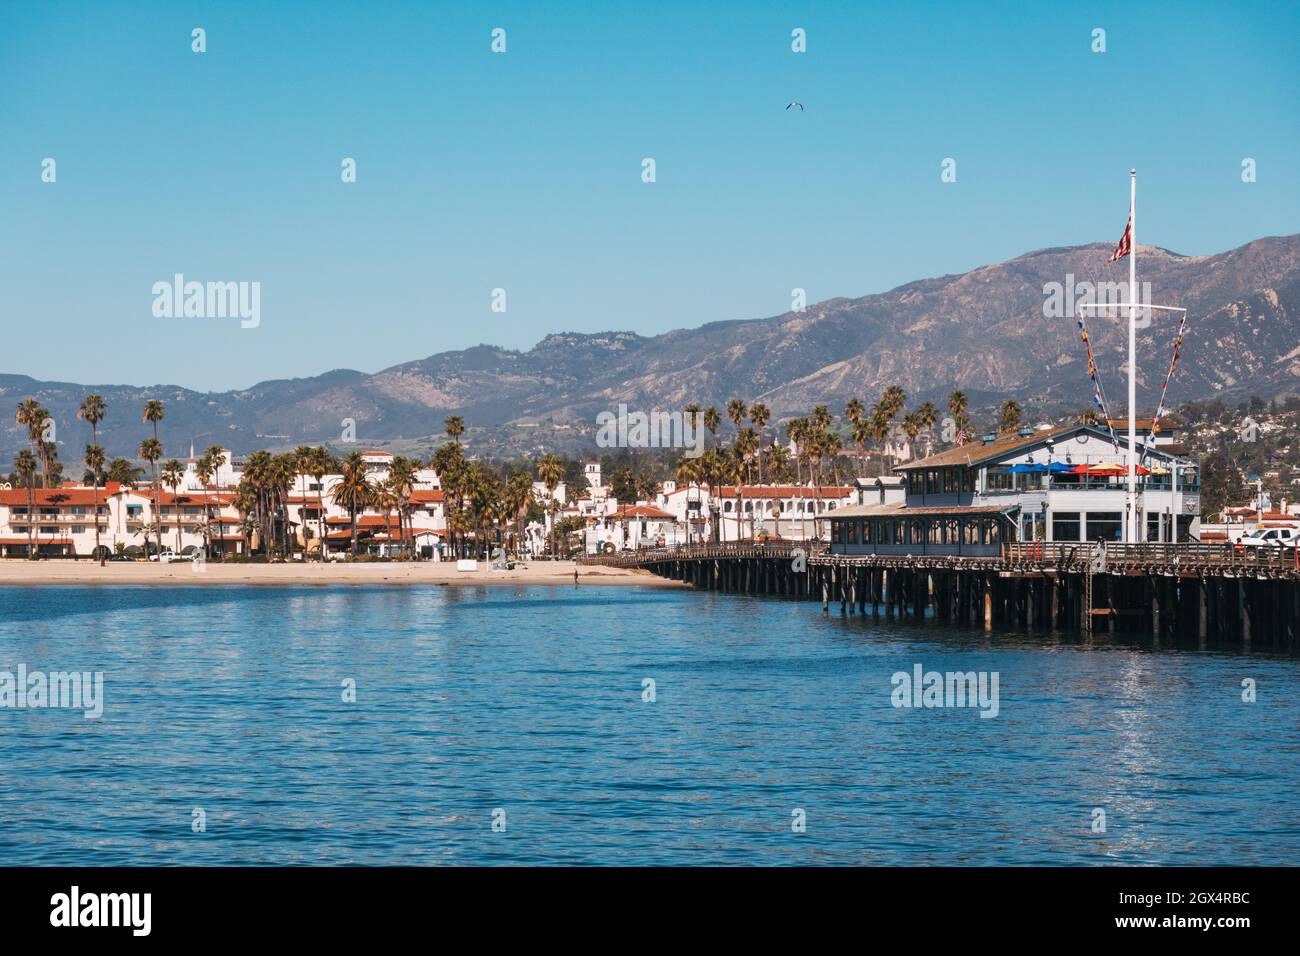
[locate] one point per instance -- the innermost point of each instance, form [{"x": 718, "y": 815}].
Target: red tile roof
[
  {"x": 49, "y": 497},
  {"x": 196, "y": 497},
  {"x": 364, "y": 521},
  {"x": 643, "y": 511}
]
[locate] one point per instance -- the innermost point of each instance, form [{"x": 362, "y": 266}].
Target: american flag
[{"x": 1125, "y": 242}]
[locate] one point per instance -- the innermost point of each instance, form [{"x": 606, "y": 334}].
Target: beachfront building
[
  {"x": 1063, "y": 484},
  {"x": 634, "y": 526},
  {"x": 192, "y": 515},
  {"x": 746, "y": 512}
]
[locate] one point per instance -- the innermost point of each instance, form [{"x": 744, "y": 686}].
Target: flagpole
[{"x": 1132, "y": 532}]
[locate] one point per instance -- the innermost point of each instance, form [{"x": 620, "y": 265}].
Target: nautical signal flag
[{"x": 1125, "y": 242}]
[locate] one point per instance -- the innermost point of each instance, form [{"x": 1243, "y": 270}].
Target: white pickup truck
[{"x": 1272, "y": 538}]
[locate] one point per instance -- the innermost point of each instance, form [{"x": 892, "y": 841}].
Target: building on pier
[{"x": 1063, "y": 484}]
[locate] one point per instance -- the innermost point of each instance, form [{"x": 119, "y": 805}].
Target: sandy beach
[{"x": 18, "y": 572}]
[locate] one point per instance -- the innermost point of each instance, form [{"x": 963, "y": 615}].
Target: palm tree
[
  {"x": 92, "y": 410},
  {"x": 173, "y": 474},
  {"x": 878, "y": 427},
  {"x": 912, "y": 426},
  {"x": 303, "y": 457},
  {"x": 319, "y": 463},
  {"x": 957, "y": 407},
  {"x": 49, "y": 453},
  {"x": 891, "y": 403},
  {"x": 516, "y": 496},
  {"x": 122, "y": 472},
  {"x": 733, "y": 468},
  {"x": 25, "y": 469},
  {"x": 151, "y": 450},
  {"x": 760, "y": 415},
  {"x": 1009, "y": 417},
  {"x": 796, "y": 429},
  {"x": 689, "y": 472},
  {"x": 384, "y": 498},
  {"x": 246, "y": 506},
  {"x": 745, "y": 445},
  {"x": 862, "y": 432},
  {"x": 94, "y": 461},
  {"x": 401, "y": 475},
  {"x": 550, "y": 472},
  {"x": 32, "y": 415},
  {"x": 706, "y": 471},
  {"x": 209, "y": 466},
  {"x": 257, "y": 474},
  {"x": 283, "y": 474},
  {"x": 927, "y": 414},
  {"x": 712, "y": 419},
  {"x": 153, "y": 414},
  {"x": 449, "y": 462},
  {"x": 455, "y": 427},
  {"x": 778, "y": 462},
  {"x": 353, "y": 491},
  {"x": 853, "y": 410},
  {"x": 692, "y": 413},
  {"x": 736, "y": 411}
]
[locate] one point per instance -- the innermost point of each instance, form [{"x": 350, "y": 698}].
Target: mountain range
[{"x": 983, "y": 331}]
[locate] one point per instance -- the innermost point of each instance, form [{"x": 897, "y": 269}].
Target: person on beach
[{"x": 575, "y": 575}]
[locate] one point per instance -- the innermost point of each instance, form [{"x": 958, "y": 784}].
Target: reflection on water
[{"x": 530, "y": 700}]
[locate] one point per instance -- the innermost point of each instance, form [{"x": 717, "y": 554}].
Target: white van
[{"x": 1272, "y": 538}]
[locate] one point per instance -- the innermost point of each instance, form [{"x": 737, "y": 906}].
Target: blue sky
[{"x": 522, "y": 171}]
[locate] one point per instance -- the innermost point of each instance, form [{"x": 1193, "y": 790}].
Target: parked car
[
  {"x": 1272, "y": 538},
  {"x": 168, "y": 557}
]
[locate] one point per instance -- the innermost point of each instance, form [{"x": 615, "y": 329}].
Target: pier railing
[
  {"x": 1189, "y": 557},
  {"x": 701, "y": 552}
]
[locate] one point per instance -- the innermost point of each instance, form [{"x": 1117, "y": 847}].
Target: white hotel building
[{"x": 61, "y": 521}]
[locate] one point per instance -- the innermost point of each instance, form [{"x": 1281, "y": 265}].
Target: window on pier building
[
  {"x": 1105, "y": 524},
  {"x": 853, "y": 531},
  {"x": 951, "y": 480},
  {"x": 1065, "y": 526},
  {"x": 998, "y": 478},
  {"x": 837, "y": 532}
]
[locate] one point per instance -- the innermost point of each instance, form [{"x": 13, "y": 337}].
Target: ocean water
[{"x": 525, "y": 706}]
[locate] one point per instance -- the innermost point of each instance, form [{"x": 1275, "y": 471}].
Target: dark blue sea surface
[{"x": 471, "y": 700}]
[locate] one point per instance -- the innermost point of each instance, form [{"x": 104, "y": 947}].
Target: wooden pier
[{"x": 1207, "y": 592}]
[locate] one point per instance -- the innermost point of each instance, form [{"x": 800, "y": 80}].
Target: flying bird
[{"x": 795, "y": 103}]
